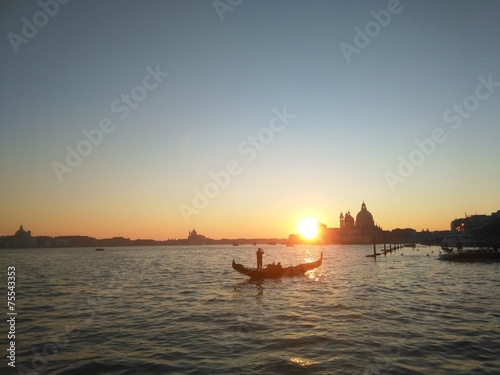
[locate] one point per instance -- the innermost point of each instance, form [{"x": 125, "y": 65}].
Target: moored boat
[
  {"x": 274, "y": 271},
  {"x": 470, "y": 255}
]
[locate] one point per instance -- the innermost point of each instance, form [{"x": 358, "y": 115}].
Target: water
[{"x": 183, "y": 310}]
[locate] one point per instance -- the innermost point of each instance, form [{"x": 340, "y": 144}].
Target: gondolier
[{"x": 259, "y": 253}]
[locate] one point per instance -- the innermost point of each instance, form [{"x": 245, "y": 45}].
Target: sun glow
[{"x": 308, "y": 228}]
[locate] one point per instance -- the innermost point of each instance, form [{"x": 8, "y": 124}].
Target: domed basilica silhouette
[{"x": 359, "y": 231}]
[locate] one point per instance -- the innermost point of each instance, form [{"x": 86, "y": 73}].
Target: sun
[{"x": 308, "y": 228}]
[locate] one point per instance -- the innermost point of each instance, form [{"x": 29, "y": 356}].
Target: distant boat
[
  {"x": 236, "y": 244},
  {"x": 255, "y": 243},
  {"x": 275, "y": 271},
  {"x": 99, "y": 249}
]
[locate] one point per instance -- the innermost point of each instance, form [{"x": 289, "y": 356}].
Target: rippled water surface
[{"x": 183, "y": 310}]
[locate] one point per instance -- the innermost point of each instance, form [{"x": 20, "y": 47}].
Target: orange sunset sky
[{"x": 113, "y": 117}]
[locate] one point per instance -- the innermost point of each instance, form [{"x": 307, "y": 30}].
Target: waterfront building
[
  {"x": 476, "y": 227},
  {"x": 196, "y": 239},
  {"x": 21, "y": 238},
  {"x": 353, "y": 231}
]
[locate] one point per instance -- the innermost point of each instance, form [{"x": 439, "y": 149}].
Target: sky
[{"x": 145, "y": 119}]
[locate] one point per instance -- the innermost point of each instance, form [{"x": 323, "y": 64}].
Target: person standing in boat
[{"x": 260, "y": 252}]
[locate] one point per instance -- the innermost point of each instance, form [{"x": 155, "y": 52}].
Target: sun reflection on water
[
  {"x": 302, "y": 361},
  {"x": 314, "y": 275}
]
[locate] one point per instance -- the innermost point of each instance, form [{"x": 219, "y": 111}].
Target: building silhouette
[
  {"x": 361, "y": 230},
  {"x": 476, "y": 229},
  {"x": 196, "y": 239},
  {"x": 21, "y": 238}
]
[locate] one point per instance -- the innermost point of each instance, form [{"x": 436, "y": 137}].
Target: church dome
[
  {"x": 348, "y": 220},
  {"x": 20, "y": 232},
  {"x": 364, "y": 219}
]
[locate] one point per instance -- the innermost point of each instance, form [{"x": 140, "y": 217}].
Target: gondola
[{"x": 275, "y": 271}]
